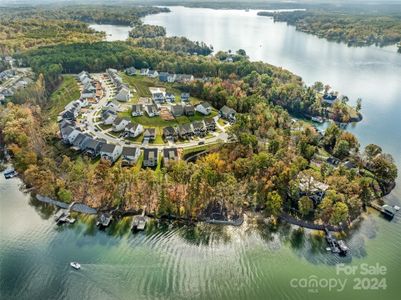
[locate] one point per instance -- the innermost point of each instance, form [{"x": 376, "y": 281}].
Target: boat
[
  {"x": 138, "y": 223},
  {"x": 317, "y": 119},
  {"x": 397, "y": 208},
  {"x": 75, "y": 265},
  {"x": 342, "y": 246},
  {"x": 10, "y": 173}
]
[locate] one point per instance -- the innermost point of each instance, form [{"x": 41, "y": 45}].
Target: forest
[{"x": 353, "y": 29}]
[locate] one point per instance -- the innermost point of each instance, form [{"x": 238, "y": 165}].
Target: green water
[{"x": 212, "y": 262}]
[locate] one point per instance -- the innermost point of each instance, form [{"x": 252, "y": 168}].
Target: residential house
[
  {"x": 170, "y": 155},
  {"x": 152, "y": 110},
  {"x": 109, "y": 116},
  {"x": 113, "y": 105},
  {"x": 65, "y": 122},
  {"x": 170, "y": 97},
  {"x": 152, "y": 74},
  {"x": 189, "y": 110},
  {"x": 89, "y": 88},
  {"x": 185, "y": 97},
  {"x": 119, "y": 124},
  {"x": 150, "y": 157},
  {"x": 137, "y": 110},
  {"x": 227, "y": 113},
  {"x": 177, "y": 110},
  {"x": 163, "y": 76},
  {"x": 185, "y": 131},
  {"x": 70, "y": 114},
  {"x": 2, "y": 98},
  {"x": 93, "y": 147},
  {"x": 130, "y": 71},
  {"x": 133, "y": 130},
  {"x": 310, "y": 187},
  {"x": 130, "y": 156},
  {"x": 123, "y": 95},
  {"x": 158, "y": 97},
  {"x": 329, "y": 98},
  {"x": 184, "y": 78},
  {"x": 204, "y": 108},
  {"x": 88, "y": 96},
  {"x": 171, "y": 78},
  {"x": 110, "y": 152},
  {"x": 149, "y": 134},
  {"x": 80, "y": 142},
  {"x": 199, "y": 128},
  {"x": 144, "y": 72},
  {"x": 210, "y": 124},
  {"x": 68, "y": 134},
  {"x": 169, "y": 133}
]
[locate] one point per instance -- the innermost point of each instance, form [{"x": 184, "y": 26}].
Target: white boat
[
  {"x": 397, "y": 208},
  {"x": 75, "y": 265}
]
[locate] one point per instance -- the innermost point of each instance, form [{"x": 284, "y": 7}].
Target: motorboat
[{"x": 75, "y": 265}]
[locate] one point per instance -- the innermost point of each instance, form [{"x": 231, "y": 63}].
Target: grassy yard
[{"x": 65, "y": 93}]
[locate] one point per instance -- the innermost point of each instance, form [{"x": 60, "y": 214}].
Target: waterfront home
[
  {"x": 119, "y": 124},
  {"x": 150, "y": 157},
  {"x": 129, "y": 156},
  {"x": 329, "y": 98},
  {"x": 185, "y": 131},
  {"x": 152, "y": 74},
  {"x": 151, "y": 110},
  {"x": 185, "y": 97},
  {"x": 184, "y": 78},
  {"x": 177, "y": 110},
  {"x": 93, "y": 147},
  {"x": 210, "y": 124},
  {"x": 169, "y": 155},
  {"x": 169, "y": 133},
  {"x": 199, "y": 128},
  {"x": 312, "y": 188},
  {"x": 227, "y": 113},
  {"x": 110, "y": 152},
  {"x": 189, "y": 110},
  {"x": 163, "y": 76},
  {"x": 144, "y": 72},
  {"x": 133, "y": 130},
  {"x": 149, "y": 134},
  {"x": 170, "y": 97},
  {"x": 109, "y": 116},
  {"x": 349, "y": 165},
  {"x": 204, "y": 108},
  {"x": 137, "y": 110},
  {"x": 80, "y": 142},
  {"x": 130, "y": 71},
  {"x": 124, "y": 94}
]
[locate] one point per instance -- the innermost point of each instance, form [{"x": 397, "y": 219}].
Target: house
[
  {"x": 123, "y": 95},
  {"x": 163, "y": 76},
  {"x": 110, "y": 152},
  {"x": 152, "y": 74},
  {"x": 309, "y": 186},
  {"x": 349, "y": 165},
  {"x": 109, "y": 116},
  {"x": 130, "y": 71},
  {"x": 80, "y": 142},
  {"x": 149, "y": 134},
  {"x": 189, "y": 110},
  {"x": 210, "y": 124},
  {"x": 329, "y": 98},
  {"x": 204, "y": 108},
  {"x": 93, "y": 147},
  {"x": 227, "y": 113},
  {"x": 177, "y": 110},
  {"x": 184, "y": 78},
  {"x": 82, "y": 75},
  {"x": 199, "y": 128},
  {"x": 130, "y": 156},
  {"x": 89, "y": 88},
  {"x": 119, "y": 124},
  {"x": 88, "y": 96},
  {"x": 133, "y": 130},
  {"x": 185, "y": 97},
  {"x": 185, "y": 131},
  {"x": 151, "y": 110},
  {"x": 169, "y": 155},
  {"x": 65, "y": 122},
  {"x": 150, "y": 157},
  {"x": 2, "y": 98},
  {"x": 137, "y": 110},
  {"x": 68, "y": 134},
  {"x": 113, "y": 105},
  {"x": 170, "y": 97},
  {"x": 169, "y": 133},
  {"x": 333, "y": 161},
  {"x": 70, "y": 114},
  {"x": 158, "y": 97},
  {"x": 171, "y": 78},
  {"x": 144, "y": 72}
]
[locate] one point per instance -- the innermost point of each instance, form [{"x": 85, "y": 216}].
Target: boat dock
[
  {"x": 104, "y": 220},
  {"x": 63, "y": 215},
  {"x": 385, "y": 209},
  {"x": 335, "y": 246},
  {"x": 139, "y": 222}
]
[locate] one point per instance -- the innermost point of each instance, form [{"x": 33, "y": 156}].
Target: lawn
[{"x": 65, "y": 93}]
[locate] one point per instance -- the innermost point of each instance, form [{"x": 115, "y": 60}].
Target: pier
[
  {"x": 385, "y": 209},
  {"x": 139, "y": 222}
]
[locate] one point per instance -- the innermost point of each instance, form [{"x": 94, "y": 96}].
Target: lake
[
  {"x": 113, "y": 32},
  {"x": 216, "y": 262}
]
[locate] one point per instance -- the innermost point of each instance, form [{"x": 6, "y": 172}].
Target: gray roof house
[
  {"x": 130, "y": 71},
  {"x": 150, "y": 157},
  {"x": 93, "y": 147},
  {"x": 81, "y": 141},
  {"x": 123, "y": 95},
  {"x": 177, "y": 110},
  {"x": 185, "y": 97},
  {"x": 185, "y": 131},
  {"x": 169, "y": 133},
  {"x": 204, "y": 108},
  {"x": 137, "y": 110},
  {"x": 149, "y": 134},
  {"x": 199, "y": 128},
  {"x": 169, "y": 155},
  {"x": 210, "y": 124},
  {"x": 130, "y": 156},
  {"x": 152, "y": 110},
  {"x": 227, "y": 113},
  {"x": 189, "y": 110},
  {"x": 119, "y": 124},
  {"x": 110, "y": 152},
  {"x": 163, "y": 76}
]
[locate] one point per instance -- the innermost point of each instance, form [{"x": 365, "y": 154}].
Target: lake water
[
  {"x": 214, "y": 262},
  {"x": 113, "y": 32}
]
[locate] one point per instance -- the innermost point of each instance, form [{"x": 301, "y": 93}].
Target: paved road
[{"x": 101, "y": 134}]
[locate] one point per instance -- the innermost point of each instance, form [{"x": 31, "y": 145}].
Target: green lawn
[{"x": 65, "y": 93}]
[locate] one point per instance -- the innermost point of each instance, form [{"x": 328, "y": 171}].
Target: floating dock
[
  {"x": 335, "y": 246},
  {"x": 104, "y": 220},
  {"x": 139, "y": 222},
  {"x": 385, "y": 209}
]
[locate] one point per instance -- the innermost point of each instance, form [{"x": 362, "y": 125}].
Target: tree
[
  {"x": 274, "y": 203},
  {"x": 341, "y": 149},
  {"x": 339, "y": 214},
  {"x": 358, "y": 104},
  {"x": 305, "y": 205}
]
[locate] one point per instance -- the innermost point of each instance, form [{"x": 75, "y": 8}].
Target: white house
[
  {"x": 144, "y": 72},
  {"x": 114, "y": 105},
  {"x": 130, "y": 155},
  {"x": 152, "y": 110},
  {"x": 109, "y": 116},
  {"x": 153, "y": 74},
  {"x": 123, "y": 95},
  {"x": 119, "y": 124},
  {"x": 110, "y": 152},
  {"x": 204, "y": 108},
  {"x": 69, "y": 134},
  {"x": 133, "y": 129}
]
